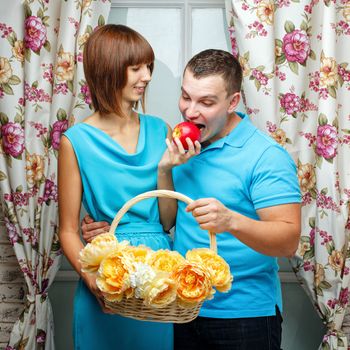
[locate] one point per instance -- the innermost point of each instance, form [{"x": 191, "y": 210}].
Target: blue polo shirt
[{"x": 246, "y": 170}]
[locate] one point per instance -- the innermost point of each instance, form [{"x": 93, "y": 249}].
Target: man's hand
[
  {"x": 90, "y": 228},
  {"x": 211, "y": 215}
]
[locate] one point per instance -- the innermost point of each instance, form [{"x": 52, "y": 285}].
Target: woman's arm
[{"x": 69, "y": 203}]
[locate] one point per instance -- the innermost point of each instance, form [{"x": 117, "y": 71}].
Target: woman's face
[{"x": 138, "y": 77}]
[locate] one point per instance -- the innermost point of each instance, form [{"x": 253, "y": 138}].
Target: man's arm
[{"x": 277, "y": 232}]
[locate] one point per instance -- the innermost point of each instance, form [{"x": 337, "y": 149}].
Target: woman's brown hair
[{"x": 107, "y": 54}]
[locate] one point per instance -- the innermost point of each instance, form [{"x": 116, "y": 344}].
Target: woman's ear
[{"x": 234, "y": 101}]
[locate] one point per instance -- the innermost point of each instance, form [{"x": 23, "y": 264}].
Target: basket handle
[{"x": 151, "y": 194}]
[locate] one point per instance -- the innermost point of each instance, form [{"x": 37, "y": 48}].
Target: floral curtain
[
  {"x": 295, "y": 58},
  {"x": 42, "y": 89}
]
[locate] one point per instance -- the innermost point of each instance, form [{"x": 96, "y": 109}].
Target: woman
[{"x": 104, "y": 161}]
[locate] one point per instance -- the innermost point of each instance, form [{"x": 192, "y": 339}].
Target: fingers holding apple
[{"x": 185, "y": 130}]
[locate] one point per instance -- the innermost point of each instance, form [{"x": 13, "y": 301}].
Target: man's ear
[{"x": 234, "y": 101}]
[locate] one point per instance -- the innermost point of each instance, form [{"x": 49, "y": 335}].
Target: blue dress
[{"x": 110, "y": 177}]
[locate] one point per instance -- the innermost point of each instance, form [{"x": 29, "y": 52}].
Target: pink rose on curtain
[
  {"x": 57, "y": 129},
  {"x": 296, "y": 46},
  {"x": 291, "y": 103},
  {"x": 327, "y": 141},
  {"x": 35, "y": 33},
  {"x": 12, "y": 139}
]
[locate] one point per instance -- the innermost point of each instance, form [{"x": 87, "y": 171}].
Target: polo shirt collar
[{"x": 238, "y": 136}]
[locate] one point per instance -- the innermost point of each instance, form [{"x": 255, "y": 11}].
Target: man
[{"x": 246, "y": 190}]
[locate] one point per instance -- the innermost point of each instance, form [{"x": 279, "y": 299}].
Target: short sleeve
[{"x": 274, "y": 179}]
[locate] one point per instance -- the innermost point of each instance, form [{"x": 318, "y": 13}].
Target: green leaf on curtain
[
  {"x": 89, "y": 29},
  {"x": 3, "y": 118},
  {"x": 2, "y": 176},
  {"x": 289, "y": 26},
  {"x": 12, "y": 39},
  {"x": 303, "y": 26},
  {"x": 330, "y": 248},
  {"x": 257, "y": 84},
  {"x": 40, "y": 13},
  {"x": 280, "y": 59},
  {"x": 332, "y": 91},
  {"x": 322, "y": 119},
  {"x": 278, "y": 43},
  {"x": 336, "y": 123},
  {"x": 329, "y": 160},
  {"x": 319, "y": 291},
  {"x": 309, "y": 255},
  {"x": 325, "y": 285},
  {"x": 319, "y": 162},
  {"x": 325, "y": 346},
  {"x": 324, "y": 191},
  {"x": 61, "y": 114},
  {"x": 35, "y": 84},
  {"x": 19, "y": 188},
  {"x": 47, "y": 46},
  {"x": 27, "y": 10},
  {"x": 312, "y": 222},
  {"x": 70, "y": 85},
  {"x": 346, "y": 131},
  {"x": 340, "y": 342},
  {"x": 313, "y": 192},
  {"x": 293, "y": 67},
  {"x": 101, "y": 21},
  {"x": 14, "y": 80},
  {"x": 27, "y": 54},
  {"x": 7, "y": 89},
  {"x": 312, "y": 55}
]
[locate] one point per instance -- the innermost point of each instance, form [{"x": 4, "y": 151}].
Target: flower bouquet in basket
[{"x": 161, "y": 285}]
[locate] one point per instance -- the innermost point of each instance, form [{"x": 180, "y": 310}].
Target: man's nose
[{"x": 192, "y": 113}]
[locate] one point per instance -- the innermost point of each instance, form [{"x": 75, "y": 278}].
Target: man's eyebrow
[{"x": 213, "y": 97}]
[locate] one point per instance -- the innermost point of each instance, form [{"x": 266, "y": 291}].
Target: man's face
[{"x": 205, "y": 102}]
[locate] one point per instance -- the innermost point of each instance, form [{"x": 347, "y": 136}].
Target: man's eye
[
  {"x": 186, "y": 98},
  {"x": 207, "y": 104}
]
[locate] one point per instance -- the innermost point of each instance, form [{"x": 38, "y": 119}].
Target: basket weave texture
[{"x": 135, "y": 308}]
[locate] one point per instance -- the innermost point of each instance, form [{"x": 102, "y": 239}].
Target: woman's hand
[
  {"x": 90, "y": 281},
  {"x": 176, "y": 154}
]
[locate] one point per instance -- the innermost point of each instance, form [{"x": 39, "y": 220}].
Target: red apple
[{"x": 184, "y": 130}]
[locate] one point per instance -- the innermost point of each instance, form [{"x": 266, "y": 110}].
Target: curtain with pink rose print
[
  {"x": 42, "y": 90},
  {"x": 295, "y": 59}
]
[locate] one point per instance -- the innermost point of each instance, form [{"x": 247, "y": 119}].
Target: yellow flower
[
  {"x": 83, "y": 39},
  {"x": 218, "y": 268},
  {"x": 336, "y": 260},
  {"x": 18, "y": 50},
  {"x": 35, "y": 167},
  {"x": 93, "y": 253},
  {"x": 5, "y": 70},
  {"x": 306, "y": 176},
  {"x": 266, "y": 11},
  {"x": 193, "y": 284},
  {"x": 280, "y": 136},
  {"x": 328, "y": 72},
  {"x": 139, "y": 253},
  {"x": 160, "y": 291},
  {"x": 113, "y": 276},
  {"x": 165, "y": 260},
  {"x": 65, "y": 66}
]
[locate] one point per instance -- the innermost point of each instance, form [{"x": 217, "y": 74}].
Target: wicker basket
[{"x": 135, "y": 308}]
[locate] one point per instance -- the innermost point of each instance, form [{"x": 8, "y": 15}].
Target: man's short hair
[
  {"x": 108, "y": 52},
  {"x": 217, "y": 62}
]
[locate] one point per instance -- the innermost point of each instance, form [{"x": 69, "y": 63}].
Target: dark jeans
[{"x": 255, "y": 333}]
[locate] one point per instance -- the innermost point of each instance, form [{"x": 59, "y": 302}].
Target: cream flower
[
  {"x": 336, "y": 260},
  {"x": 65, "y": 66},
  {"x": 218, "y": 268},
  {"x": 319, "y": 274},
  {"x": 5, "y": 70},
  {"x": 35, "y": 168},
  {"x": 114, "y": 275},
  {"x": 346, "y": 12},
  {"x": 141, "y": 275},
  {"x": 265, "y": 12},
  {"x": 82, "y": 39},
  {"x": 93, "y": 253},
  {"x": 18, "y": 50},
  {"x": 306, "y": 176},
  {"x": 328, "y": 72},
  {"x": 160, "y": 291},
  {"x": 245, "y": 66},
  {"x": 279, "y": 136},
  {"x": 193, "y": 284},
  {"x": 165, "y": 260},
  {"x": 303, "y": 248}
]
